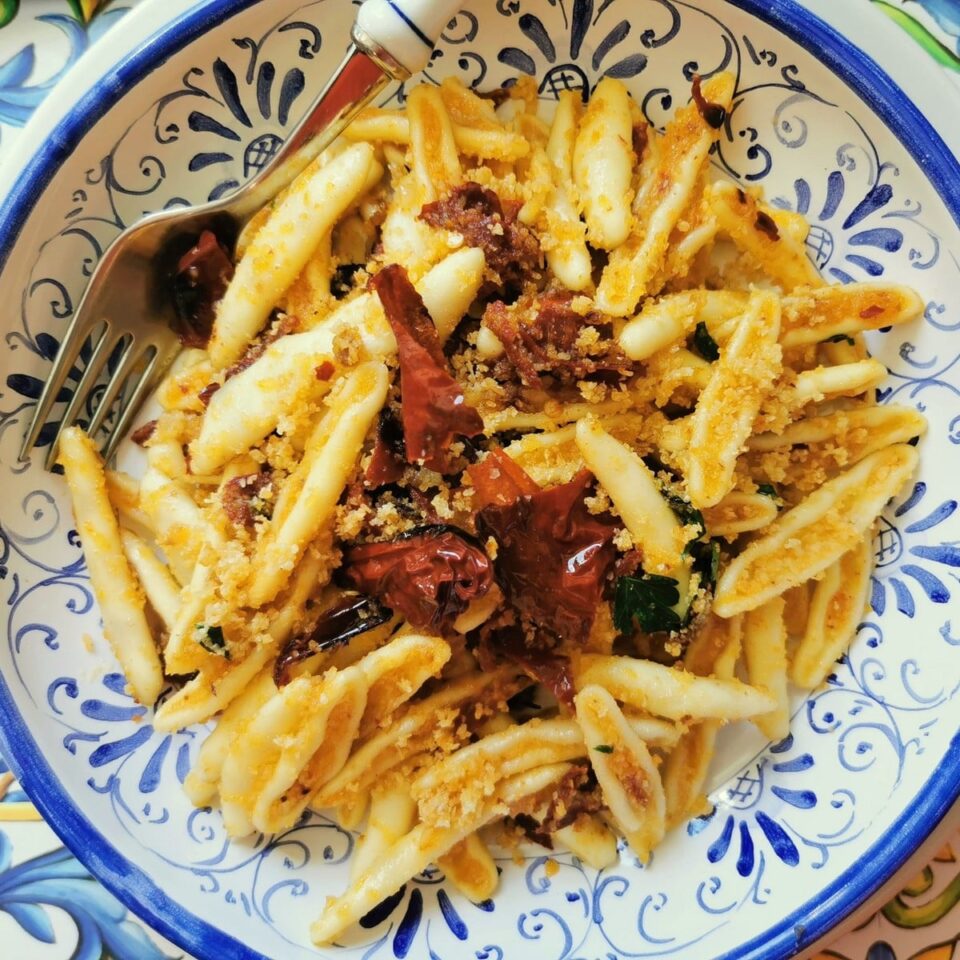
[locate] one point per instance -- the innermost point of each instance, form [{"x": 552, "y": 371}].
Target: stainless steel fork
[{"x": 127, "y": 309}]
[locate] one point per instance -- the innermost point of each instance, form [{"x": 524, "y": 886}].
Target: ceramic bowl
[{"x": 804, "y": 830}]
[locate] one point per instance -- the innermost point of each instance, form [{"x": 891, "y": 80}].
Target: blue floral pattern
[
  {"x": 20, "y": 92},
  {"x": 29, "y": 889},
  {"x": 785, "y": 815}
]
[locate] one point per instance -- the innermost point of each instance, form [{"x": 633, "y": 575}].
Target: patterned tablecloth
[{"x": 50, "y": 907}]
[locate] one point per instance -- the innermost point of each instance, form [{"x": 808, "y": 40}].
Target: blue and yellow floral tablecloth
[{"x": 50, "y": 906}]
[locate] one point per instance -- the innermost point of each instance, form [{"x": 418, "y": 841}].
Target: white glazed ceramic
[{"x": 805, "y": 830}]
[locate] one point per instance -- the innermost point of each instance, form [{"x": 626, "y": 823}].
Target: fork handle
[{"x": 403, "y": 31}]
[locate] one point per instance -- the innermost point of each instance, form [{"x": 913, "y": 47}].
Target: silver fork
[{"x": 127, "y": 309}]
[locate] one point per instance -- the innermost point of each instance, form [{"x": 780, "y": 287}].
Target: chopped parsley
[
  {"x": 646, "y": 601},
  {"x": 603, "y": 748},
  {"x": 840, "y": 338},
  {"x": 687, "y": 514},
  {"x": 704, "y": 344},
  {"x": 706, "y": 561},
  {"x": 212, "y": 640},
  {"x": 769, "y": 490}
]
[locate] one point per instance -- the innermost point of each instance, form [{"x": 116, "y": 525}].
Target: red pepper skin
[
  {"x": 428, "y": 576},
  {"x": 499, "y": 480},
  {"x": 336, "y": 627},
  {"x": 433, "y": 408},
  {"x": 553, "y": 557},
  {"x": 199, "y": 283}
]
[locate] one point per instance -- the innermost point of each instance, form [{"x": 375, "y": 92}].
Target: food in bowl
[{"x": 508, "y": 462}]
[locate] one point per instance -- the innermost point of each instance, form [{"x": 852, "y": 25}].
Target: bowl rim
[{"x": 131, "y": 884}]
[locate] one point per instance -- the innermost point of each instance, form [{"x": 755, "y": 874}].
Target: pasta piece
[
  {"x": 673, "y": 317},
  {"x": 117, "y": 592},
  {"x": 723, "y": 419},
  {"x": 858, "y": 432},
  {"x": 469, "y": 866},
  {"x": 636, "y": 495},
  {"x": 459, "y": 785},
  {"x": 303, "y": 733},
  {"x": 765, "y": 654},
  {"x": 567, "y": 254},
  {"x": 392, "y": 815},
  {"x": 251, "y": 404},
  {"x": 308, "y": 297},
  {"x": 450, "y": 287},
  {"x": 836, "y": 606},
  {"x": 324, "y": 724},
  {"x": 412, "y": 731},
  {"x": 283, "y": 380},
  {"x": 124, "y": 493},
  {"x": 434, "y": 150},
  {"x": 222, "y": 681},
  {"x": 661, "y": 323},
  {"x": 423, "y": 845},
  {"x": 176, "y": 520},
  {"x": 681, "y": 154},
  {"x": 603, "y": 161},
  {"x": 203, "y": 780},
  {"x": 695, "y": 230},
  {"x": 189, "y": 373},
  {"x": 166, "y": 455},
  {"x": 668, "y": 692},
  {"x": 284, "y": 245},
  {"x": 739, "y": 513},
  {"x": 212, "y": 690},
  {"x": 309, "y": 496},
  {"x": 714, "y": 650},
  {"x": 627, "y": 774},
  {"x": 807, "y": 539},
  {"x": 489, "y": 345},
  {"x": 678, "y": 373},
  {"x": 796, "y": 610},
  {"x": 183, "y": 654},
  {"x": 589, "y": 839},
  {"x": 811, "y": 316},
  {"x": 350, "y": 814},
  {"x": 848, "y": 380},
  {"x": 653, "y": 731},
  {"x": 395, "y": 671},
  {"x": 751, "y": 227},
  {"x": 548, "y": 458},
  {"x": 486, "y": 143},
  {"x": 158, "y": 584}
]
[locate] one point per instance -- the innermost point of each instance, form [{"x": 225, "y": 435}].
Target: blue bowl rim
[{"x": 129, "y": 883}]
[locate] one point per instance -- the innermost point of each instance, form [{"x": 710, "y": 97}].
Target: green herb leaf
[
  {"x": 706, "y": 563},
  {"x": 840, "y": 338},
  {"x": 687, "y": 514},
  {"x": 603, "y": 748},
  {"x": 704, "y": 344},
  {"x": 769, "y": 490},
  {"x": 212, "y": 640},
  {"x": 646, "y": 602}
]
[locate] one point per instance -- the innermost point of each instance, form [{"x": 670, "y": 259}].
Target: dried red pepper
[
  {"x": 511, "y": 248},
  {"x": 341, "y": 623},
  {"x": 429, "y": 576},
  {"x": 386, "y": 461},
  {"x": 433, "y": 408},
  {"x": 498, "y": 480},
  {"x": 199, "y": 283},
  {"x": 552, "y": 557}
]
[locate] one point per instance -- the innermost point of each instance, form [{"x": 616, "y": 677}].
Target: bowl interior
[{"x": 870, "y": 760}]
